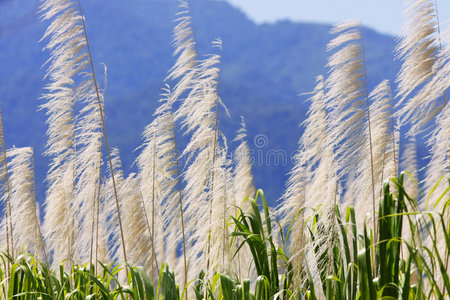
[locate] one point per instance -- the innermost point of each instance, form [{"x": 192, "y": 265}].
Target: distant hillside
[{"x": 265, "y": 68}]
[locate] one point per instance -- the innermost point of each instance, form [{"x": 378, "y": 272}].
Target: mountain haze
[{"x": 264, "y": 69}]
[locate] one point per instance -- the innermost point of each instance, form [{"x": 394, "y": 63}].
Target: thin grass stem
[{"x": 106, "y": 137}]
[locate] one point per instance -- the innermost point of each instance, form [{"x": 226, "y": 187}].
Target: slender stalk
[
  {"x": 92, "y": 232},
  {"x": 105, "y": 135},
  {"x": 370, "y": 145},
  {"x": 71, "y": 239}
]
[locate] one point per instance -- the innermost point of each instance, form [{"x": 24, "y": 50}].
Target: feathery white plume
[
  {"x": 67, "y": 58},
  {"x": 100, "y": 247},
  {"x": 312, "y": 182},
  {"x": 88, "y": 174},
  {"x": 411, "y": 181},
  {"x": 158, "y": 163},
  {"x": 349, "y": 125},
  {"x": 417, "y": 49},
  {"x": 437, "y": 177},
  {"x": 108, "y": 197},
  {"x": 220, "y": 252},
  {"x": 439, "y": 140},
  {"x": 158, "y": 177},
  {"x": 243, "y": 175},
  {"x": 149, "y": 183},
  {"x": 143, "y": 242},
  {"x": 345, "y": 96},
  {"x": 384, "y": 152},
  {"x": 70, "y": 54},
  {"x": 135, "y": 220},
  {"x": 185, "y": 50},
  {"x": 24, "y": 210},
  {"x": 409, "y": 164},
  {"x": 198, "y": 114},
  {"x": 242, "y": 187}
]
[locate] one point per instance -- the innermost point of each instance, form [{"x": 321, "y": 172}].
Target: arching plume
[
  {"x": 159, "y": 168},
  {"x": 199, "y": 116},
  {"x": 24, "y": 209},
  {"x": 345, "y": 96},
  {"x": 159, "y": 181},
  {"x": 100, "y": 247},
  {"x": 312, "y": 181},
  {"x": 439, "y": 140},
  {"x": 243, "y": 174},
  {"x": 143, "y": 243},
  {"x": 242, "y": 187},
  {"x": 185, "y": 50},
  {"x": 417, "y": 49},
  {"x": 107, "y": 195},
  {"x": 384, "y": 151},
  {"x": 350, "y": 122},
  {"x": 136, "y": 225},
  {"x": 66, "y": 60},
  {"x": 71, "y": 58},
  {"x": 409, "y": 164},
  {"x": 220, "y": 252}
]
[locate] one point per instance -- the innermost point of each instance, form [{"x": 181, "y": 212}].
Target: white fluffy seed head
[
  {"x": 24, "y": 209},
  {"x": 383, "y": 152},
  {"x": 418, "y": 49},
  {"x": 312, "y": 181},
  {"x": 198, "y": 115},
  {"x": 75, "y": 131},
  {"x": 185, "y": 50},
  {"x": 243, "y": 175},
  {"x": 345, "y": 96}
]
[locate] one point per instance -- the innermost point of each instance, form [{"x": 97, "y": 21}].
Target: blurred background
[{"x": 272, "y": 52}]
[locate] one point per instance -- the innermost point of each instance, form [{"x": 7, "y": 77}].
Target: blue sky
[{"x": 385, "y": 16}]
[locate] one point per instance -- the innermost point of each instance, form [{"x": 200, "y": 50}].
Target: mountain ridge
[{"x": 265, "y": 68}]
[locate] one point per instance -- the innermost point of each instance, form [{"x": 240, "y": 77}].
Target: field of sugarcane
[{"x": 354, "y": 222}]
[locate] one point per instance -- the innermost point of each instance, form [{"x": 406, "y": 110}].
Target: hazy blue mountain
[{"x": 265, "y": 68}]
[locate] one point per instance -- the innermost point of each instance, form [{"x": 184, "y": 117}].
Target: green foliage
[
  {"x": 256, "y": 230},
  {"x": 396, "y": 266},
  {"x": 31, "y": 279},
  {"x": 368, "y": 269}
]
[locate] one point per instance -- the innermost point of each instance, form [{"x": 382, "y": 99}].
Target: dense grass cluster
[
  {"x": 401, "y": 269},
  {"x": 349, "y": 225}
]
